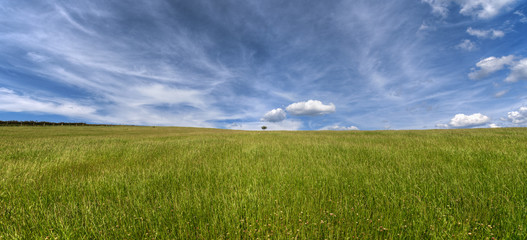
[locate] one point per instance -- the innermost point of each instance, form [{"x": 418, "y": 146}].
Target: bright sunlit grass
[{"x": 185, "y": 183}]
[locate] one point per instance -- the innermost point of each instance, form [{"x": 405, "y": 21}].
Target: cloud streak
[
  {"x": 476, "y": 8},
  {"x": 13, "y": 102},
  {"x": 340, "y": 128},
  {"x": 491, "y": 33}
]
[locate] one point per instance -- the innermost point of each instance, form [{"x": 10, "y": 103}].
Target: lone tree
[{"x": 264, "y": 127}]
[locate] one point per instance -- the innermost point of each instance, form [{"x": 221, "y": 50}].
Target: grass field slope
[{"x": 86, "y": 182}]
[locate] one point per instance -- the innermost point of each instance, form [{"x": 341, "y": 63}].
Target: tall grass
[{"x": 184, "y": 183}]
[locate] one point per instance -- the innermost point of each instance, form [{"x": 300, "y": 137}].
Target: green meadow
[{"x": 123, "y": 182}]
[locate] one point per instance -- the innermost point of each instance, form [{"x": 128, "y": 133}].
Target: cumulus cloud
[
  {"x": 482, "y": 9},
  {"x": 518, "y": 117},
  {"x": 474, "y": 120},
  {"x": 518, "y": 71},
  {"x": 340, "y": 128},
  {"x": 487, "y": 66},
  {"x": 310, "y": 108},
  {"x": 466, "y": 45},
  {"x": 275, "y": 115},
  {"x": 490, "y": 65},
  {"x": 491, "y": 33},
  {"x": 493, "y": 125}
]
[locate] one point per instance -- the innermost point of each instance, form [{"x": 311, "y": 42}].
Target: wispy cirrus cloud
[
  {"x": 490, "y": 33},
  {"x": 129, "y": 73},
  {"x": 522, "y": 16},
  {"x": 13, "y": 102},
  {"x": 475, "y": 8},
  {"x": 501, "y": 93},
  {"x": 285, "y": 125},
  {"x": 340, "y": 128}
]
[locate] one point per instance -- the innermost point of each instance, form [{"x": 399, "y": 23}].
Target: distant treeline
[{"x": 38, "y": 123}]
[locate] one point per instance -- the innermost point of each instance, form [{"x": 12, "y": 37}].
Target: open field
[{"x": 181, "y": 183}]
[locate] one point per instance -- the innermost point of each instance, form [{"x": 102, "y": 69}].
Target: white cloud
[
  {"x": 523, "y": 19},
  {"x": 491, "y": 33},
  {"x": 310, "y": 108},
  {"x": 35, "y": 57},
  {"x": 501, "y": 93},
  {"x": 518, "y": 71},
  {"x": 493, "y": 125},
  {"x": 442, "y": 125},
  {"x": 275, "y": 115},
  {"x": 6, "y": 91},
  {"x": 483, "y": 9},
  {"x": 12, "y": 102},
  {"x": 462, "y": 120},
  {"x": 466, "y": 45},
  {"x": 519, "y": 116},
  {"x": 439, "y": 7},
  {"x": 424, "y": 27},
  {"x": 163, "y": 94},
  {"x": 70, "y": 20},
  {"x": 340, "y": 128},
  {"x": 487, "y": 66},
  {"x": 490, "y": 65}
]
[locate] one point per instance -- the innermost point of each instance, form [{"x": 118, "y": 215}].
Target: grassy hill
[{"x": 185, "y": 183}]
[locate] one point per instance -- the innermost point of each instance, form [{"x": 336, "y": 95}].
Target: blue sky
[{"x": 289, "y": 65}]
